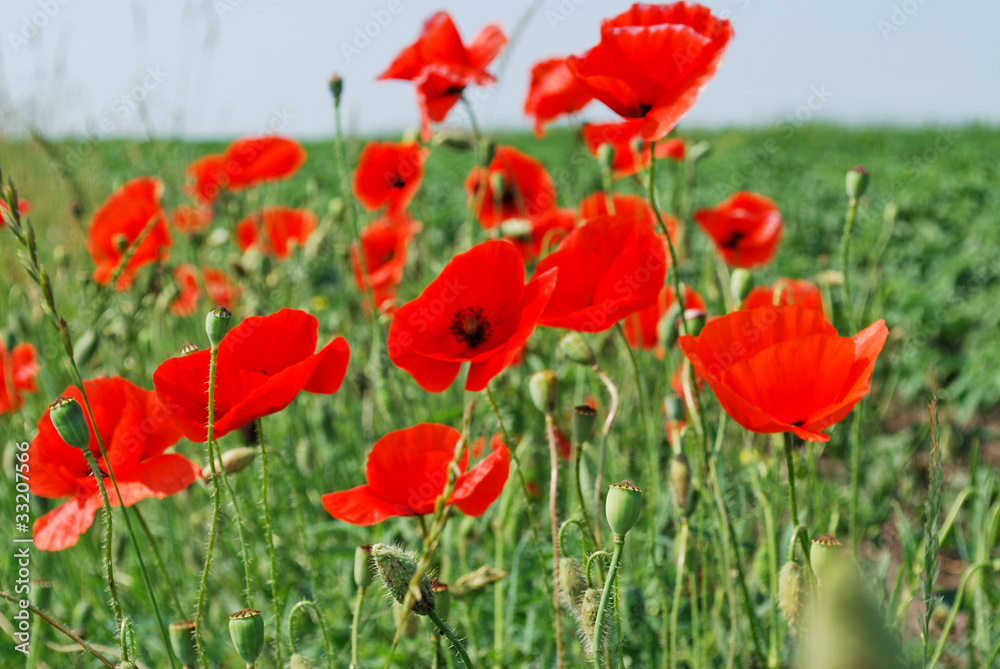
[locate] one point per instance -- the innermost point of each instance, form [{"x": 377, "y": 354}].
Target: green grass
[{"x": 933, "y": 275}]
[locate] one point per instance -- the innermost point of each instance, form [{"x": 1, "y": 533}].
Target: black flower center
[
  {"x": 471, "y": 327},
  {"x": 396, "y": 181},
  {"x": 733, "y": 240}
]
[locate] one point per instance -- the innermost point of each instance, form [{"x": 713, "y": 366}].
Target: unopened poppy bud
[
  {"x": 182, "y": 641},
  {"x": 694, "y": 320},
  {"x": 584, "y": 417},
  {"x": 442, "y": 603},
  {"x": 606, "y": 156},
  {"x": 516, "y": 228},
  {"x": 572, "y": 583},
  {"x": 246, "y": 627},
  {"x": 857, "y": 182},
  {"x": 362, "y": 567},
  {"x": 395, "y": 568},
  {"x": 234, "y": 461},
  {"x": 336, "y": 87},
  {"x": 824, "y": 552},
  {"x": 680, "y": 478},
  {"x": 674, "y": 408},
  {"x": 125, "y": 665},
  {"x": 217, "y": 325},
  {"x": 476, "y": 581},
  {"x": 69, "y": 421},
  {"x": 666, "y": 328},
  {"x": 790, "y": 593},
  {"x": 489, "y": 151},
  {"x": 622, "y": 507},
  {"x": 740, "y": 284},
  {"x": 576, "y": 348},
  {"x": 589, "y": 604},
  {"x": 544, "y": 388}
]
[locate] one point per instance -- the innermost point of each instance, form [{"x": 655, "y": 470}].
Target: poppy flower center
[
  {"x": 396, "y": 181},
  {"x": 733, "y": 240},
  {"x": 471, "y": 327},
  {"x": 644, "y": 109},
  {"x": 453, "y": 90}
]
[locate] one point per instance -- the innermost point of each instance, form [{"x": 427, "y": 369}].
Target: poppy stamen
[
  {"x": 396, "y": 181},
  {"x": 733, "y": 241},
  {"x": 471, "y": 327}
]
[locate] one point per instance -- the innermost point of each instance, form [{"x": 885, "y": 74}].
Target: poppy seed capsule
[
  {"x": 695, "y": 321},
  {"x": 246, "y": 627},
  {"x": 217, "y": 325},
  {"x": 182, "y": 641},
  {"x": 572, "y": 583},
  {"x": 857, "y": 182},
  {"x": 824, "y": 552},
  {"x": 396, "y": 568},
  {"x": 575, "y": 348},
  {"x": 589, "y": 604},
  {"x": 336, "y": 87},
  {"x": 740, "y": 284},
  {"x": 362, "y": 567},
  {"x": 584, "y": 417},
  {"x": 544, "y": 388},
  {"x": 622, "y": 507},
  {"x": 70, "y": 423}
]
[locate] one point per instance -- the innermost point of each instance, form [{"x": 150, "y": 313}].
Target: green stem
[
  {"x": 477, "y": 203},
  {"x": 62, "y": 628},
  {"x": 609, "y": 584},
  {"x": 455, "y": 642},
  {"x": 356, "y": 626},
  {"x": 946, "y": 630},
  {"x": 602, "y": 451},
  {"x": 845, "y": 257},
  {"x": 654, "y": 460},
  {"x": 674, "y": 263},
  {"x": 678, "y": 589},
  {"x": 327, "y": 645},
  {"x": 550, "y": 433},
  {"x": 802, "y": 533},
  {"x": 579, "y": 493},
  {"x": 160, "y": 564},
  {"x": 216, "y": 511},
  {"x": 855, "y": 475},
  {"x": 498, "y": 617},
  {"x": 275, "y": 599}
]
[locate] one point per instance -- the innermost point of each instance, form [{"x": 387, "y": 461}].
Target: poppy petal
[
  {"x": 476, "y": 490},
  {"x": 359, "y": 506}
]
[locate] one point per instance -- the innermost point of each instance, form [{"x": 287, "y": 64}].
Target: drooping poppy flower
[
  {"x": 407, "y": 471},
  {"x": 527, "y": 188},
  {"x": 263, "y": 363},
  {"x": 652, "y": 61},
  {"x": 221, "y": 292},
  {"x": 136, "y": 430},
  {"x": 554, "y": 91},
  {"x": 631, "y": 153},
  {"x": 384, "y": 242},
  {"x": 442, "y": 66},
  {"x": 789, "y": 291},
  {"x": 641, "y": 327},
  {"x": 477, "y": 310},
  {"x": 609, "y": 268},
  {"x": 784, "y": 369},
  {"x": 273, "y": 230},
  {"x": 120, "y": 222},
  {"x": 191, "y": 220},
  {"x": 542, "y": 232},
  {"x": 23, "y": 207},
  {"x": 389, "y": 174},
  {"x": 746, "y": 229},
  {"x": 19, "y": 367}
]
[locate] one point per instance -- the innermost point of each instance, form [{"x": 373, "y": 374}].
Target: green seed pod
[
  {"x": 298, "y": 662},
  {"x": 362, "y": 567},
  {"x": 680, "y": 479},
  {"x": 489, "y": 151},
  {"x": 575, "y": 348},
  {"x": 217, "y": 325},
  {"x": 622, "y": 507},
  {"x": 336, "y": 87},
  {"x": 790, "y": 594},
  {"x": 234, "y": 461},
  {"x": 694, "y": 319},
  {"x": 572, "y": 583},
  {"x": 86, "y": 346},
  {"x": 606, "y": 156},
  {"x": 584, "y": 417},
  {"x": 857, "y": 182},
  {"x": 246, "y": 627},
  {"x": 544, "y": 388},
  {"x": 69, "y": 421},
  {"x": 823, "y": 553},
  {"x": 182, "y": 641},
  {"x": 740, "y": 284},
  {"x": 395, "y": 568}
]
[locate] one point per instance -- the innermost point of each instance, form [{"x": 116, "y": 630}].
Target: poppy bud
[
  {"x": 182, "y": 641},
  {"x": 544, "y": 388},
  {"x": 336, "y": 87},
  {"x": 476, "y": 581},
  {"x": 69, "y": 421},
  {"x": 572, "y": 583},
  {"x": 589, "y": 604},
  {"x": 516, "y": 228},
  {"x": 246, "y": 627},
  {"x": 606, "y": 156},
  {"x": 695, "y": 321},
  {"x": 395, "y": 567},
  {"x": 857, "y": 182},
  {"x": 584, "y": 417},
  {"x": 125, "y": 665},
  {"x": 234, "y": 461},
  {"x": 790, "y": 593},
  {"x": 575, "y": 348},
  {"x": 189, "y": 348},
  {"x": 362, "y": 567},
  {"x": 824, "y": 552},
  {"x": 490, "y": 149},
  {"x": 680, "y": 477},
  {"x": 442, "y": 604},
  {"x": 740, "y": 284},
  {"x": 298, "y": 662},
  {"x": 217, "y": 325},
  {"x": 86, "y": 346},
  {"x": 622, "y": 507},
  {"x": 666, "y": 328},
  {"x": 674, "y": 407}
]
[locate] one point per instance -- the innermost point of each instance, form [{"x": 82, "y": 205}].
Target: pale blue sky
[{"x": 221, "y": 68}]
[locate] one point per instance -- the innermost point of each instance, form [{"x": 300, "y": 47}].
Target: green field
[{"x": 931, "y": 270}]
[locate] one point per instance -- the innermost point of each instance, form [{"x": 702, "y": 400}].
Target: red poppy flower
[
  {"x": 784, "y": 369},
  {"x": 609, "y": 268},
  {"x": 221, "y": 292},
  {"x": 191, "y": 220},
  {"x": 384, "y": 242},
  {"x": 263, "y": 363},
  {"x": 23, "y": 207},
  {"x": 442, "y": 66},
  {"x": 554, "y": 91},
  {"x": 206, "y": 177},
  {"x": 527, "y": 188},
  {"x": 641, "y": 327},
  {"x": 477, "y": 310},
  {"x": 136, "y": 431},
  {"x": 677, "y": 380},
  {"x": 597, "y": 205},
  {"x": 790, "y": 291},
  {"x": 652, "y": 62},
  {"x": 119, "y": 222},
  {"x": 389, "y": 174},
  {"x": 746, "y": 229},
  {"x": 631, "y": 153},
  {"x": 274, "y": 229},
  {"x": 246, "y": 163},
  {"x": 19, "y": 368},
  {"x": 406, "y": 474},
  {"x": 543, "y": 232}
]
